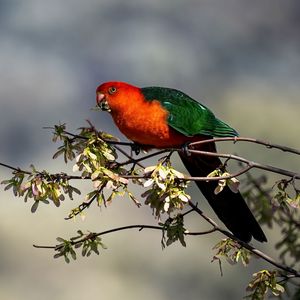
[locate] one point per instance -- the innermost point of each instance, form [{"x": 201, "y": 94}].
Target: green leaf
[
  {"x": 263, "y": 281},
  {"x": 34, "y": 206},
  {"x": 232, "y": 252},
  {"x": 173, "y": 230},
  {"x": 59, "y": 239}
]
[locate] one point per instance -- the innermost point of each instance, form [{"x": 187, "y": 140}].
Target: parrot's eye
[{"x": 112, "y": 90}]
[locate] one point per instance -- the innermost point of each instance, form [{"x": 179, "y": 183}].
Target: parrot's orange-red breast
[{"x": 149, "y": 126}]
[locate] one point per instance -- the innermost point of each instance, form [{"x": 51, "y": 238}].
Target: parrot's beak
[
  {"x": 100, "y": 97},
  {"x": 102, "y": 102}
]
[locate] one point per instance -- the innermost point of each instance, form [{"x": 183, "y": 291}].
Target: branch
[
  {"x": 243, "y": 244},
  {"x": 15, "y": 169},
  {"x": 139, "y": 226},
  {"x": 132, "y": 160},
  {"x": 251, "y": 140},
  {"x": 250, "y": 163}
]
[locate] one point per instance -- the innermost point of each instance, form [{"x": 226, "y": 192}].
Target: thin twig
[
  {"x": 84, "y": 205},
  {"x": 145, "y": 157},
  {"x": 15, "y": 169}
]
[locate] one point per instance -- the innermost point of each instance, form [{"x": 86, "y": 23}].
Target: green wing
[{"x": 186, "y": 115}]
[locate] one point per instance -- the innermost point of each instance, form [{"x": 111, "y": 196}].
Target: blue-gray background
[{"x": 241, "y": 58}]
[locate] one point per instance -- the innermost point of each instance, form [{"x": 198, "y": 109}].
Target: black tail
[{"x": 230, "y": 207}]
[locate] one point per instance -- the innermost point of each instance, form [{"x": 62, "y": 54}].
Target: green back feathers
[{"x": 186, "y": 115}]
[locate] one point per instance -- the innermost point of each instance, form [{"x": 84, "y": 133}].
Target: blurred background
[{"x": 241, "y": 58}]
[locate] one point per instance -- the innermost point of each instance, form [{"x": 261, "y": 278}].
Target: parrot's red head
[{"x": 111, "y": 95}]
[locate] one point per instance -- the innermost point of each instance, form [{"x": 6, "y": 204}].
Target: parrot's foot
[
  {"x": 185, "y": 149},
  {"x": 137, "y": 148}
]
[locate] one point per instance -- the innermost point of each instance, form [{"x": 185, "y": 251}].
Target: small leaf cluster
[
  {"x": 263, "y": 281},
  {"x": 69, "y": 147},
  {"x": 232, "y": 252},
  {"x": 283, "y": 196},
  {"x": 40, "y": 186},
  {"x": 96, "y": 160},
  {"x": 89, "y": 243},
  {"x": 95, "y": 156},
  {"x": 232, "y": 182},
  {"x": 73, "y": 144},
  {"x": 103, "y": 178},
  {"x": 167, "y": 193},
  {"x": 173, "y": 230}
]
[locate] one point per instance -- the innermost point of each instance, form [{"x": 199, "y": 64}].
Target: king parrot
[{"x": 160, "y": 117}]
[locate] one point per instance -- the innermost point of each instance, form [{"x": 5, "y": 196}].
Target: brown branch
[
  {"x": 78, "y": 136},
  {"x": 243, "y": 244},
  {"x": 139, "y": 226},
  {"x": 250, "y": 163},
  {"x": 132, "y": 160},
  {"x": 237, "y": 174},
  {"x": 15, "y": 169},
  {"x": 84, "y": 205},
  {"x": 251, "y": 140}
]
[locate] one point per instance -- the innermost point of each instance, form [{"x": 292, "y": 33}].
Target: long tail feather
[{"x": 230, "y": 207}]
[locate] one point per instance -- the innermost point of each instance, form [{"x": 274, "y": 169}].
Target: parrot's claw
[
  {"x": 185, "y": 149},
  {"x": 136, "y": 148}
]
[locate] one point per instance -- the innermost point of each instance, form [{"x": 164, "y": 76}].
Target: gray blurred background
[{"x": 240, "y": 58}]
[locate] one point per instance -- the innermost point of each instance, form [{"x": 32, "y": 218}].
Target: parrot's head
[{"x": 114, "y": 94}]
